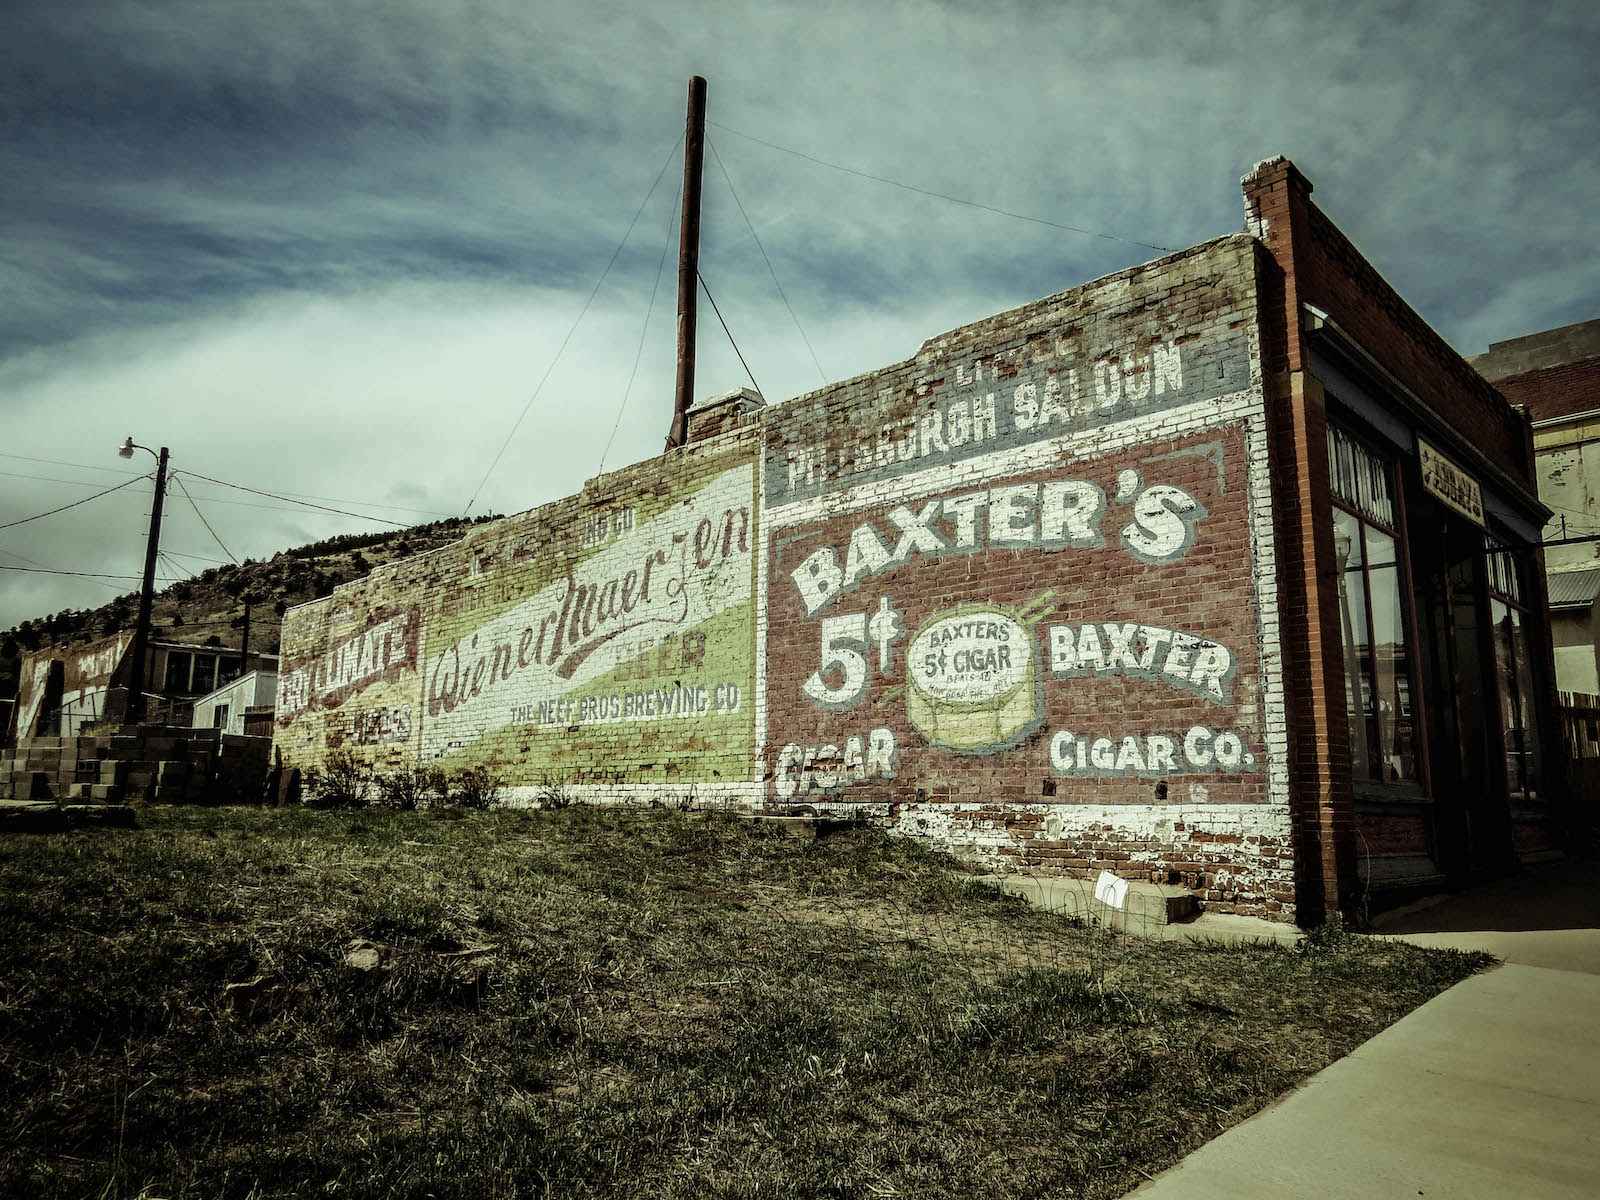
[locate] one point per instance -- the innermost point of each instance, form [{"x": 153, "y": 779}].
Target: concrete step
[
  {"x": 1146, "y": 908},
  {"x": 802, "y": 828}
]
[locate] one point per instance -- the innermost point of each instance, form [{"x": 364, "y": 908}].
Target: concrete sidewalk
[{"x": 1491, "y": 1089}]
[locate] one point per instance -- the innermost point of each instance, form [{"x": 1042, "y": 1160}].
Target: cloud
[{"x": 332, "y": 249}]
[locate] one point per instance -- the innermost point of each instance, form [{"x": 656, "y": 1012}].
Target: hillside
[{"x": 209, "y": 607}]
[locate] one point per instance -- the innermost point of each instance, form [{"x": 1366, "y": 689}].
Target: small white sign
[
  {"x": 1111, "y": 890},
  {"x": 1450, "y": 483}
]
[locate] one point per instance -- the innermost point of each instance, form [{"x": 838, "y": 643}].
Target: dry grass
[{"x": 597, "y": 1003}]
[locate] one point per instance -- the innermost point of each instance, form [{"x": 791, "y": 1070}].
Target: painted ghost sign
[
  {"x": 1048, "y": 388},
  {"x": 629, "y": 649},
  {"x": 384, "y": 648},
  {"x": 86, "y": 671},
  {"x": 1089, "y": 623},
  {"x": 349, "y": 675}
]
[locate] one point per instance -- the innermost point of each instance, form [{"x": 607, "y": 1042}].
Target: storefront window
[
  {"x": 1372, "y": 615},
  {"x": 1514, "y": 674}
]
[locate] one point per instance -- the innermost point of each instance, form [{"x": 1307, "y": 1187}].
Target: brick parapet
[
  {"x": 1332, "y": 274},
  {"x": 1277, "y": 199},
  {"x": 1551, "y": 393}
]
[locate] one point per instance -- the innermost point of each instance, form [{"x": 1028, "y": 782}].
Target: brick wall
[
  {"x": 1016, "y": 595},
  {"x": 348, "y": 676},
  {"x": 1313, "y": 263},
  {"x": 1553, "y": 392},
  {"x": 1322, "y": 811},
  {"x": 602, "y": 642},
  {"x": 83, "y": 672},
  {"x": 1020, "y": 592}
]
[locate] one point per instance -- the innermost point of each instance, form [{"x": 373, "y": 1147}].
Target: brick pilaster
[{"x": 1277, "y": 201}]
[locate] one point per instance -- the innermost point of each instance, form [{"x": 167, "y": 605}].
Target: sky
[{"x": 335, "y": 250}]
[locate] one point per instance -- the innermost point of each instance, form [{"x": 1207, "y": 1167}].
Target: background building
[
  {"x": 1556, "y": 375},
  {"x": 61, "y": 689},
  {"x": 228, "y": 706}
]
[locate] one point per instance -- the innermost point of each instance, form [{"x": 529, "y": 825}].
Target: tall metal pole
[
  {"x": 141, "y": 631},
  {"x": 244, "y": 639},
  {"x": 694, "y": 148}
]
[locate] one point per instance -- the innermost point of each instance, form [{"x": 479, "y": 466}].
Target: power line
[
  {"x": 297, "y": 498},
  {"x": 80, "y": 574},
  {"x": 175, "y": 565},
  {"x": 666, "y": 245},
  {"x": 254, "y": 621},
  {"x": 178, "y": 479},
  {"x": 22, "y": 557},
  {"x": 52, "y": 479},
  {"x": 1110, "y": 237},
  {"x": 614, "y": 256},
  {"x": 198, "y": 557},
  {"x": 751, "y": 226},
  {"x": 1576, "y": 512},
  {"x": 302, "y": 503},
  {"x": 74, "y": 504},
  {"x": 431, "y": 512},
  {"x": 35, "y": 562},
  {"x": 57, "y": 462},
  {"x": 211, "y": 499},
  {"x": 726, "y": 330},
  {"x": 427, "y": 512}
]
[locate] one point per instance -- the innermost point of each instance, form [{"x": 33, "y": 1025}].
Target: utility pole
[
  {"x": 141, "y": 631},
  {"x": 244, "y": 640},
  {"x": 694, "y": 153}
]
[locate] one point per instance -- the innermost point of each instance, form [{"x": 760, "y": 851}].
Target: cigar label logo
[{"x": 973, "y": 680}]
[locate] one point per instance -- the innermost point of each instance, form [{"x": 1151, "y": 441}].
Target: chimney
[{"x": 716, "y": 414}]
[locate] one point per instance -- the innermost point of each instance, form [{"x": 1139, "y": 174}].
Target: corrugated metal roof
[{"x": 1574, "y": 587}]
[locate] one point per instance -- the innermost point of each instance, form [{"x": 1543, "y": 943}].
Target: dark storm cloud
[{"x": 332, "y": 248}]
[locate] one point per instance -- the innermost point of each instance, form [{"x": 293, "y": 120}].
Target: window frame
[
  {"x": 1520, "y": 569},
  {"x": 1405, "y": 791}
]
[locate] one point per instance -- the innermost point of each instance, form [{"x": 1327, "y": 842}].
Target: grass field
[{"x": 584, "y": 1002}]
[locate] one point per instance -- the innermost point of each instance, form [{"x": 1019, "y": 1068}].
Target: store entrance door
[{"x": 1474, "y": 818}]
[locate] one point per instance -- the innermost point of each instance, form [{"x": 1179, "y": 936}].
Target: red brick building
[
  {"x": 1391, "y": 449},
  {"x": 1220, "y": 571}
]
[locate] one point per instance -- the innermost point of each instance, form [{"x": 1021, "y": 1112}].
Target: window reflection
[
  {"x": 1514, "y": 676},
  {"x": 1372, "y": 622}
]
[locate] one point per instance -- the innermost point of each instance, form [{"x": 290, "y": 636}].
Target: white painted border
[
  {"x": 1246, "y": 408},
  {"x": 758, "y": 758},
  {"x": 732, "y": 794},
  {"x": 1194, "y": 417}
]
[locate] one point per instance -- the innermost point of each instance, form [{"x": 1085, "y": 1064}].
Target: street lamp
[{"x": 141, "y": 630}]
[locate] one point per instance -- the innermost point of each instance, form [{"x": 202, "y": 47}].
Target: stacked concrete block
[
  {"x": 143, "y": 764},
  {"x": 171, "y": 781}
]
